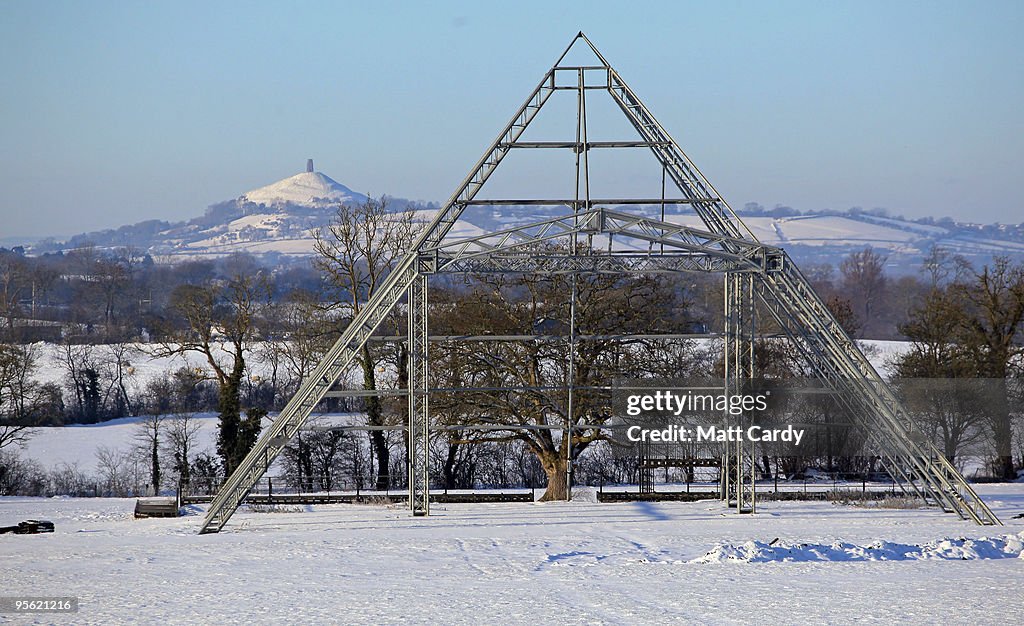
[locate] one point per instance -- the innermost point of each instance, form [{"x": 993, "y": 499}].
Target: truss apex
[{"x": 578, "y": 36}]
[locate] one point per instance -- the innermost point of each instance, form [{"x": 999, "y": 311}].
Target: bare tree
[
  {"x": 118, "y": 471},
  {"x": 864, "y": 281},
  {"x": 182, "y": 434},
  {"x": 12, "y": 286},
  {"x": 110, "y": 279},
  {"x": 159, "y": 400},
  {"x": 82, "y": 375},
  {"x": 23, "y": 401},
  {"x": 356, "y": 251},
  {"x": 304, "y": 333},
  {"x": 20, "y": 476},
  {"x": 119, "y": 356},
  {"x": 538, "y": 373},
  {"x": 148, "y": 431},
  {"x": 967, "y": 326},
  {"x": 220, "y": 323},
  {"x": 989, "y": 327}
]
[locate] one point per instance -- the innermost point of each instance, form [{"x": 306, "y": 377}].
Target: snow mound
[
  {"x": 307, "y": 188},
  {"x": 947, "y": 549}
]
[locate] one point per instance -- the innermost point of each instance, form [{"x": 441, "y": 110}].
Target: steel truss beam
[
  {"x": 717, "y": 252},
  {"x": 597, "y": 264},
  {"x": 739, "y": 469},
  {"x": 605, "y": 202},
  {"x": 419, "y": 414},
  {"x": 727, "y": 246},
  {"x": 835, "y": 357}
]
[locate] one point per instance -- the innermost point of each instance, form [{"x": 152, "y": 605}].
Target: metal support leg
[
  {"x": 646, "y": 472},
  {"x": 419, "y": 416},
  {"x": 739, "y": 470}
]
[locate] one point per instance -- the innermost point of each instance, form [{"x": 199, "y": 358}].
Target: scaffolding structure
[{"x": 605, "y": 236}]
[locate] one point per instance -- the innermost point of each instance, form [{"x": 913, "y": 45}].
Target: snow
[
  {"x": 542, "y": 563},
  {"x": 880, "y": 353},
  {"x": 76, "y": 445},
  {"x": 267, "y": 221},
  {"x": 143, "y": 365},
  {"x": 959, "y": 549},
  {"x": 307, "y": 188}
]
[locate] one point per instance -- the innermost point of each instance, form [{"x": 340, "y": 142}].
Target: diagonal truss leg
[
  {"x": 841, "y": 365},
  {"x": 340, "y": 356}
]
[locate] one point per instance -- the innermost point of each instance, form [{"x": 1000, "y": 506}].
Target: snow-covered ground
[
  {"x": 578, "y": 562},
  {"x": 76, "y": 446},
  {"x": 553, "y": 563}
]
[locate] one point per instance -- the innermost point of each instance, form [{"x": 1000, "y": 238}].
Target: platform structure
[{"x": 617, "y": 235}]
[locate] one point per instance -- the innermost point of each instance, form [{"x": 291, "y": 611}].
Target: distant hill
[
  {"x": 274, "y": 218},
  {"x": 278, "y": 219}
]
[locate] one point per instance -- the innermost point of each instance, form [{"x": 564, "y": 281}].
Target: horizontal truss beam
[
  {"x": 563, "y": 338},
  {"x": 363, "y": 393},
  {"x": 591, "y": 202},
  {"x": 459, "y": 427},
  {"x": 603, "y": 264},
  {"x": 579, "y": 145},
  {"x": 690, "y": 249}
]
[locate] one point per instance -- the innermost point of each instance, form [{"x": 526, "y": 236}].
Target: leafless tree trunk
[
  {"x": 221, "y": 321},
  {"x": 148, "y": 434},
  {"x": 182, "y": 432},
  {"x": 356, "y": 251},
  {"x": 17, "y": 394},
  {"x": 606, "y": 306}
]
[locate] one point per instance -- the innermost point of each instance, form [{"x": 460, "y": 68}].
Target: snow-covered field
[
  {"x": 553, "y": 563},
  {"x": 76, "y": 446},
  {"x": 578, "y": 562}
]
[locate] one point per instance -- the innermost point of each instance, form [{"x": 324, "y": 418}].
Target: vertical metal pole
[
  {"x": 738, "y": 469},
  {"x": 581, "y": 154},
  {"x": 739, "y": 475},
  {"x": 751, "y": 326},
  {"x": 663, "y": 171},
  {"x": 724, "y": 477},
  {"x": 419, "y": 416},
  {"x": 740, "y": 320}
]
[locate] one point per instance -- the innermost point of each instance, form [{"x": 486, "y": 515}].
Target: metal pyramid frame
[{"x": 754, "y": 273}]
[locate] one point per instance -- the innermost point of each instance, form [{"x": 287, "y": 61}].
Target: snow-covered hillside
[
  {"x": 307, "y": 188},
  {"x": 278, "y": 218}
]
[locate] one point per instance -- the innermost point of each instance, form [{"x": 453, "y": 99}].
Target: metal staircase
[{"x": 727, "y": 246}]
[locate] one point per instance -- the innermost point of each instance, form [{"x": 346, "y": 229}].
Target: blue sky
[{"x": 117, "y": 112}]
